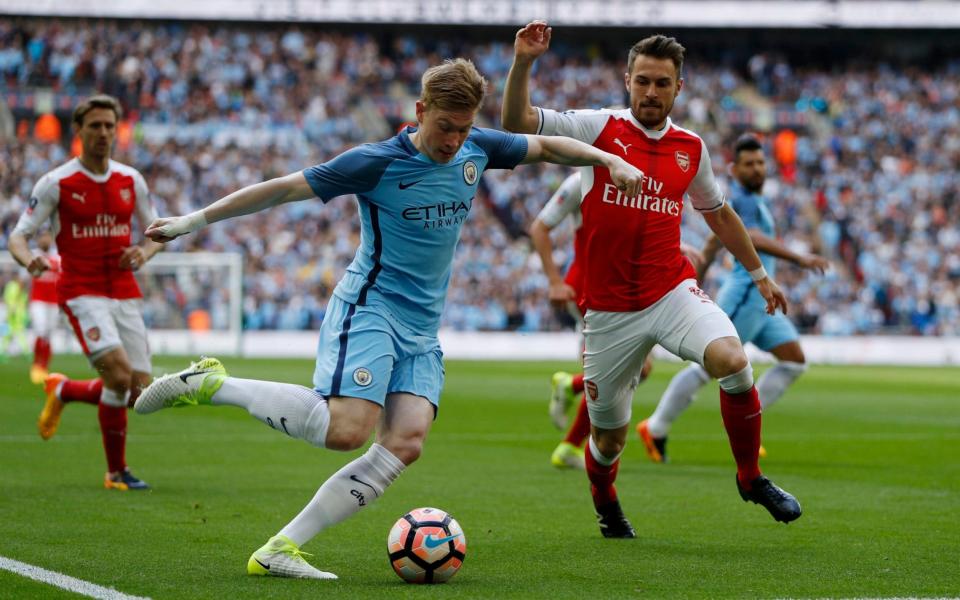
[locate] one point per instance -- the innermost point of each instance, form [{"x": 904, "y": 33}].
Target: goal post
[{"x": 192, "y": 302}]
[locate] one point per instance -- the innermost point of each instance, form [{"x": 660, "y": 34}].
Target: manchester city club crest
[
  {"x": 362, "y": 376},
  {"x": 470, "y": 172},
  {"x": 683, "y": 160}
]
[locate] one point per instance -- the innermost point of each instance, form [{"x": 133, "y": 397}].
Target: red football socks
[
  {"x": 580, "y": 429},
  {"x": 601, "y": 479},
  {"x": 86, "y": 391},
  {"x": 41, "y": 352},
  {"x": 577, "y": 383},
  {"x": 741, "y": 418},
  {"x": 113, "y": 426}
]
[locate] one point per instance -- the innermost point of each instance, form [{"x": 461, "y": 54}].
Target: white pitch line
[{"x": 72, "y": 584}]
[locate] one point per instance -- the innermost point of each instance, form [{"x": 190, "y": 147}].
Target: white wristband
[
  {"x": 758, "y": 274},
  {"x": 185, "y": 224}
]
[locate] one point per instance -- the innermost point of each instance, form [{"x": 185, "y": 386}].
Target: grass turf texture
[{"x": 872, "y": 454}]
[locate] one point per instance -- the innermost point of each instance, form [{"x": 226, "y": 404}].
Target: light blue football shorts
[
  {"x": 747, "y": 309},
  {"x": 365, "y": 352}
]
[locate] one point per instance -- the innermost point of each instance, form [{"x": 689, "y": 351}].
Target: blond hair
[
  {"x": 98, "y": 101},
  {"x": 454, "y": 85}
]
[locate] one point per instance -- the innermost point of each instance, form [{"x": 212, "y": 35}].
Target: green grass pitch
[{"x": 873, "y": 454}]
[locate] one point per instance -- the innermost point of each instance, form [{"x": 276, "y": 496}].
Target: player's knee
[
  {"x": 346, "y": 438},
  {"x": 408, "y": 450},
  {"x": 609, "y": 446},
  {"x": 726, "y": 360},
  {"x": 117, "y": 376}
]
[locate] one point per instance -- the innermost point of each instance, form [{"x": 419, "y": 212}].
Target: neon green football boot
[
  {"x": 280, "y": 557},
  {"x": 190, "y": 387}
]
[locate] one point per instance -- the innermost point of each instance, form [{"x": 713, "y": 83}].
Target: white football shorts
[
  {"x": 44, "y": 317},
  {"x": 684, "y": 322},
  {"x": 102, "y": 324}
]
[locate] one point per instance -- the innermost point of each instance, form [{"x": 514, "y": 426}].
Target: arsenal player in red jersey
[
  {"x": 43, "y": 309},
  {"x": 639, "y": 289},
  {"x": 90, "y": 202}
]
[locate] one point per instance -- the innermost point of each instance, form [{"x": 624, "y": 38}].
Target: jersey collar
[
  {"x": 404, "y": 137},
  {"x": 653, "y": 134},
  {"x": 98, "y": 178}
]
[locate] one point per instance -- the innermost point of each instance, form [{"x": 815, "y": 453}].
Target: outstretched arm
[
  {"x": 774, "y": 247},
  {"x": 250, "y": 199},
  {"x": 568, "y": 151},
  {"x": 728, "y": 227},
  {"x": 517, "y": 114}
]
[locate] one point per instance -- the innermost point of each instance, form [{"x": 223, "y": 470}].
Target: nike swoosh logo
[
  {"x": 756, "y": 414},
  {"x": 404, "y": 186},
  {"x": 184, "y": 376},
  {"x": 267, "y": 567},
  {"x": 432, "y": 542},
  {"x": 361, "y": 482}
]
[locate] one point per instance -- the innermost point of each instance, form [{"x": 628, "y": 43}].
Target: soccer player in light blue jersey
[
  {"x": 739, "y": 298},
  {"x": 379, "y": 365}
]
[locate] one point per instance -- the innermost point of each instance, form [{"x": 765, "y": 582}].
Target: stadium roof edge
[{"x": 879, "y": 14}]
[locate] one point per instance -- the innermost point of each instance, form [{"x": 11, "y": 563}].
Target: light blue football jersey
[
  {"x": 411, "y": 212},
  {"x": 755, "y": 214}
]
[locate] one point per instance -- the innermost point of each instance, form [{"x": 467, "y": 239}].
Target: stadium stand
[{"x": 864, "y": 170}]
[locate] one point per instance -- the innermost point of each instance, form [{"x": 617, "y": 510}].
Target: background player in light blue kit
[
  {"x": 739, "y": 298},
  {"x": 379, "y": 364}
]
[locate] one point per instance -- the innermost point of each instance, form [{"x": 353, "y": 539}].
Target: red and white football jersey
[
  {"x": 566, "y": 202},
  {"x": 90, "y": 218},
  {"x": 631, "y": 246},
  {"x": 44, "y": 287}
]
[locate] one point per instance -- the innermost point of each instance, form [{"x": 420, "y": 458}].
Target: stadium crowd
[{"x": 864, "y": 162}]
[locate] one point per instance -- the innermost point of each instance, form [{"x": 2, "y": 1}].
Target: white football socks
[
  {"x": 109, "y": 397},
  {"x": 295, "y": 410},
  {"x": 676, "y": 398},
  {"x": 347, "y": 491},
  {"x": 775, "y": 381}
]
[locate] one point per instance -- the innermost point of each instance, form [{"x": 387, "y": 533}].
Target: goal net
[{"x": 192, "y": 302}]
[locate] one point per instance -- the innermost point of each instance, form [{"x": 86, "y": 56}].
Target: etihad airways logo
[
  {"x": 105, "y": 226},
  {"x": 643, "y": 201},
  {"x": 442, "y": 214}
]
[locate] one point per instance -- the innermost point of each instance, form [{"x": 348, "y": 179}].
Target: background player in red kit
[
  {"x": 640, "y": 290},
  {"x": 90, "y": 202},
  {"x": 44, "y": 310},
  {"x": 566, "y": 292}
]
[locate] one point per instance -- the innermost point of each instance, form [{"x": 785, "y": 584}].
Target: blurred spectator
[{"x": 867, "y": 170}]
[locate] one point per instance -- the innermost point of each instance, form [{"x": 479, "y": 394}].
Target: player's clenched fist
[
  {"x": 625, "y": 176},
  {"x": 532, "y": 41},
  {"x": 38, "y": 265}
]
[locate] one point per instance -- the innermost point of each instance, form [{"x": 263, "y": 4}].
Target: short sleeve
[
  {"x": 504, "y": 150},
  {"x": 704, "y": 190},
  {"x": 144, "y": 207},
  {"x": 43, "y": 202},
  {"x": 356, "y": 171},
  {"x": 565, "y": 201},
  {"x": 583, "y": 125}
]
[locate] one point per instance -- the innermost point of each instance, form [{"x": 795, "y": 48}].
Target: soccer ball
[{"x": 426, "y": 545}]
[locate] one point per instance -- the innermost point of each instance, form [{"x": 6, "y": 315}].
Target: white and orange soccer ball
[{"x": 426, "y": 545}]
